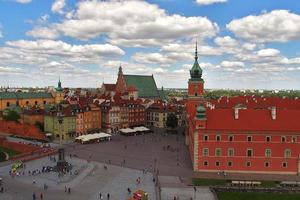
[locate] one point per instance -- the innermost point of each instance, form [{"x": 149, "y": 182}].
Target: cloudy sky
[{"x": 242, "y": 43}]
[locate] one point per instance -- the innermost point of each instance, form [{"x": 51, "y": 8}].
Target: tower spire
[{"x": 196, "y": 51}]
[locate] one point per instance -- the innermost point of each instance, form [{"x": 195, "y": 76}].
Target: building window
[
  {"x": 294, "y": 139},
  {"x": 249, "y": 138},
  {"x": 248, "y": 164},
  {"x": 7, "y": 104},
  {"x": 205, "y": 163},
  {"x": 249, "y": 152},
  {"x": 205, "y": 137},
  {"x": 287, "y": 153},
  {"x": 230, "y": 152},
  {"x": 230, "y": 138},
  {"x": 205, "y": 152},
  {"x": 218, "y": 152},
  {"x": 196, "y": 94},
  {"x": 35, "y": 102},
  {"x": 284, "y": 165},
  {"x": 217, "y": 163},
  {"x": 218, "y": 138},
  {"x": 229, "y": 163},
  {"x": 45, "y": 102},
  {"x": 268, "y": 152},
  {"x": 268, "y": 139},
  {"x": 27, "y": 102},
  {"x": 267, "y": 164},
  {"x": 283, "y": 138}
]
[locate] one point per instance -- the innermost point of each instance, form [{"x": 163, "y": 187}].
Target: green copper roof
[
  {"x": 25, "y": 95},
  {"x": 162, "y": 94},
  {"x": 196, "y": 71},
  {"x": 145, "y": 85},
  {"x": 59, "y": 88},
  {"x": 201, "y": 112}
]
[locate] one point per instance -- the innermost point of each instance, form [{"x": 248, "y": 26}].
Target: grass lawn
[
  {"x": 256, "y": 196},
  {"x": 208, "y": 182},
  {"x": 9, "y": 151}
]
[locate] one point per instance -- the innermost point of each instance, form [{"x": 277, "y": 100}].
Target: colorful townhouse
[
  {"x": 110, "y": 116},
  {"x": 61, "y": 124}
]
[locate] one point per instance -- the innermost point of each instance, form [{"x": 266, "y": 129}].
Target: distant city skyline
[{"x": 249, "y": 44}]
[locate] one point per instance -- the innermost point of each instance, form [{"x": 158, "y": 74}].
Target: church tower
[
  {"x": 195, "y": 87},
  {"x": 58, "y": 94},
  {"x": 121, "y": 85}
]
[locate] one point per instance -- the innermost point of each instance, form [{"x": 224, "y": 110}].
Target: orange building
[{"x": 32, "y": 116}]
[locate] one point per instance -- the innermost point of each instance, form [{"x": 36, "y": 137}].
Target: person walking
[
  {"x": 100, "y": 196},
  {"x": 41, "y": 196},
  {"x": 33, "y": 196},
  {"x": 108, "y": 195},
  {"x": 69, "y": 190}
]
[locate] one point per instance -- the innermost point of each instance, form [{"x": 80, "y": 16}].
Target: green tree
[
  {"x": 11, "y": 115},
  {"x": 172, "y": 121}
]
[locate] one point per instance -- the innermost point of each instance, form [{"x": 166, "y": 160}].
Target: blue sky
[{"x": 242, "y": 44}]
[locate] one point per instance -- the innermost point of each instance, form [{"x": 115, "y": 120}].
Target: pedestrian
[
  {"x": 33, "y": 196},
  {"x": 2, "y": 190},
  {"x": 129, "y": 191},
  {"x": 108, "y": 195},
  {"x": 69, "y": 190},
  {"x": 41, "y": 196},
  {"x": 100, "y": 196}
]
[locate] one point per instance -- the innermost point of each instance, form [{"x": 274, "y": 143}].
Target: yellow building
[{"x": 29, "y": 99}]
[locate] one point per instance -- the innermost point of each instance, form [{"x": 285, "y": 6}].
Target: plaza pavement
[
  {"x": 167, "y": 153},
  {"x": 140, "y": 152},
  {"x": 92, "y": 180}
]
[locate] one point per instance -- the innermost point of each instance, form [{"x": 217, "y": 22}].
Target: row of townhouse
[
  {"x": 90, "y": 115},
  {"x": 122, "y": 114}
]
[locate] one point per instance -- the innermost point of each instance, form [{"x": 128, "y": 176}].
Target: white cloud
[
  {"x": 226, "y": 41},
  {"x": 208, "y": 2},
  {"x": 57, "y": 6},
  {"x": 23, "y": 1},
  {"x": 152, "y": 58},
  {"x": 43, "y": 32},
  {"x": 126, "y": 25},
  {"x": 232, "y": 64},
  {"x": 268, "y": 52},
  {"x": 60, "y": 48},
  {"x": 1, "y": 35},
  {"x": 10, "y": 70},
  {"x": 275, "y": 26}
]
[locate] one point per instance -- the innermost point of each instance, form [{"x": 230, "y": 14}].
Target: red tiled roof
[
  {"x": 256, "y": 102},
  {"x": 253, "y": 120}
]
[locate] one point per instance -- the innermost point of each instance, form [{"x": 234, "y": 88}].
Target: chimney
[
  {"x": 236, "y": 113},
  {"x": 273, "y": 112}
]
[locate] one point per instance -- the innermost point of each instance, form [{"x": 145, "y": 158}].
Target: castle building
[
  {"x": 29, "y": 99},
  {"x": 241, "y": 137}
]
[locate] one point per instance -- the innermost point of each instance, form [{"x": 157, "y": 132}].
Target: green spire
[
  {"x": 196, "y": 71},
  {"x": 59, "y": 88}
]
